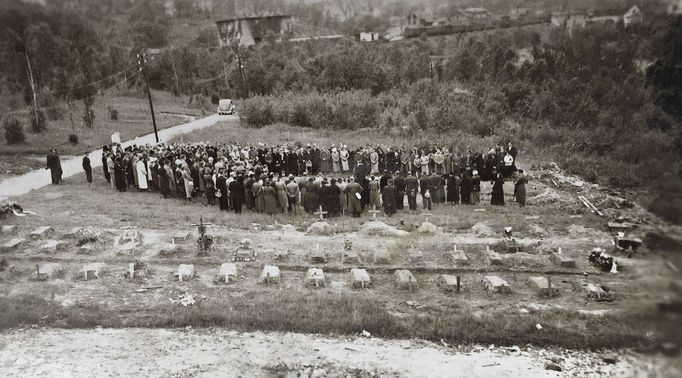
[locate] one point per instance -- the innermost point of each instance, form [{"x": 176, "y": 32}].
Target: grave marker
[
  {"x": 13, "y": 243},
  {"x": 359, "y": 278},
  {"x": 449, "y": 282},
  {"x": 40, "y": 232},
  {"x": 315, "y": 277},
  {"x": 137, "y": 269},
  {"x": 374, "y": 212},
  {"x": 93, "y": 270},
  {"x": 493, "y": 257},
  {"x": 270, "y": 274},
  {"x": 184, "y": 271},
  {"x": 405, "y": 279},
  {"x": 458, "y": 257},
  {"x": 49, "y": 270},
  {"x": 496, "y": 284},
  {"x": 227, "y": 272},
  {"x": 180, "y": 236},
  {"x": 426, "y": 215},
  {"x": 543, "y": 286},
  {"x": 321, "y": 213}
]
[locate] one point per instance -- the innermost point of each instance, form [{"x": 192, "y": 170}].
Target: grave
[
  {"x": 73, "y": 232},
  {"x": 562, "y": 260},
  {"x": 282, "y": 255},
  {"x": 137, "y": 269},
  {"x": 180, "y": 236},
  {"x": 168, "y": 249},
  {"x": 130, "y": 237},
  {"x": 204, "y": 242},
  {"x": 315, "y": 277},
  {"x": 244, "y": 254},
  {"x": 49, "y": 270},
  {"x": 320, "y": 228},
  {"x": 602, "y": 260},
  {"x": 620, "y": 226},
  {"x": 41, "y": 232},
  {"x": 227, "y": 272},
  {"x": 359, "y": 278},
  {"x": 8, "y": 229},
  {"x": 493, "y": 257},
  {"x": 415, "y": 256},
  {"x": 507, "y": 245},
  {"x": 626, "y": 244},
  {"x": 458, "y": 257},
  {"x": 448, "y": 282},
  {"x": 382, "y": 257},
  {"x": 542, "y": 286},
  {"x": 351, "y": 257},
  {"x": 597, "y": 292},
  {"x": 496, "y": 284},
  {"x": 318, "y": 257},
  {"x": 184, "y": 271},
  {"x": 13, "y": 243},
  {"x": 91, "y": 270},
  {"x": 270, "y": 274},
  {"x": 404, "y": 279},
  {"x": 50, "y": 246}
]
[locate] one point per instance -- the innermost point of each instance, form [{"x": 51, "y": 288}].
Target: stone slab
[
  {"x": 496, "y": 284},
  {"x": 8, "y": 229},
  {"x": 382, "y": 257},
  {"x": 315, "y": 277},
  {"x": 359, "y": 278},
  {"x": 13, "y": 243},
  {"x": 270, "y": 274},
  {"x": 448, "y": 282},
  {"x": 541, "y": 285},
  {"x": 40, "y": 232},
  {"x": 93, "y": 270},
  {"x": 184, "y": 272},
  {"x": 351, "y": 257},
  {"x": 563, "y": 260},
  {"x": 49, "y": 270},
  {"x": 227, "y": 272},
  {"x": 404, "y": 279}
]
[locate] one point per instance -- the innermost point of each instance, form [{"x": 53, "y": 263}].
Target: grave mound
[
  {"x": 428, "y": 228},
  {"x": 448, "y": 282},
  {"x": 320, "y": 229},
  {"x": 227, "y": 273},
  {"x": 351, "y": 257},
  {"x": 93, "y": 270},
  {"x": 481, "y": 228},
  {"x": 315, "y": 277},
  {"x": 270, "y": 274},
  {"x": 359, "y": 278},
  {"x": 184, "y": 271},
  {"x": 382, "y": 257},
  {"x": 541, "y": 285},
  {"x": 49, "y": 270},
  {"x": 379, "y": 228},
  {"x": 404, "y": 279},
  {"x": 495, "y": 284}
]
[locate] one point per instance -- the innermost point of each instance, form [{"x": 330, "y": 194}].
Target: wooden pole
[
  {"x": 458, "y": 284},
  {"x": 142, "y": 60}
]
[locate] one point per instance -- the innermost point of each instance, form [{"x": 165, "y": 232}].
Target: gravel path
[{"x": 39, "y": 178}]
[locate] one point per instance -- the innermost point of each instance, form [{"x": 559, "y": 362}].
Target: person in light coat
[{"x": 141, "y": 169}]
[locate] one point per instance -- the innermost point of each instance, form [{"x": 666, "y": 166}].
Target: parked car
[{"x": 225, "y": 106}]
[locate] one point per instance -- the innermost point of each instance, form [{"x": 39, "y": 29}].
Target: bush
[
  {"x": 14, "y": 130},
  {"x": 257, "y": 111},
  {"x": 113, "y": 113},
  {"x": 73, "y": 138},
  {"x": 38, "y": 124}
]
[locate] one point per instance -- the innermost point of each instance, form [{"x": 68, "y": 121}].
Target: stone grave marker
[
  {"x": 404, "y": 279},
  {"x": 93, "y": 270},
  {"x": 315, "y": 277},
  {"x": 448, "y": 282},
  {"x": 227, "y": 272},
  {"x": 351, "y": 257},
  {"x": 49, "y": 270},
  {"x": 382, "y": 257},
  {"x": 8, "y": 229},
  {"x": 496, "y": 284},
  {"x": 41, "y": 232},
  {"x": 415, "y": 256},
  {"x": 359, "y": 278},
  {"x": 458, "y": 257},
  {"x": 138, "y": 269},
  {"x": 321, "y": 213},
  {"x": 12, "y": 244},
  {"x": 493, "y": 257},
  {"x": 50, "y": 246},
  {"x": 270, "y": 274},
  {"x": 542, "y": 286},
  {"x": 562, "y": 260},
  {"x": 184, "y": 271},
  {"x": 597, "y": 292}
]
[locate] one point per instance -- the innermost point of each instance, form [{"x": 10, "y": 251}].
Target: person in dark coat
[
  {"x": 105, "y": 166},
  {"x": 384, "y": 180},
  {"x": 520, "y": 188},
  {"x": 237, "y": 194},
  {"x": 453, "y": 183},
  {"x": 334, "y": 206},
  {"x": 400, "y": 187},
  {"x": 221, "y": 186},
  {"x": 270, "y": 198},
  {"x": 164, "y": 184},
  {"x": 497, "y": 197},
  {"x": 324, "y": 197},
  {"x": 309, "y": 196},
  {"x": 119, "y": 175},
  {"x": 475, "y": 188},
  {"x": 88, "y": 169},
  {"x": 465, "y": 187},
  {"x": 411, "y": 188},
  {"x": 55, "y": 166},
  {"x": 390, "y": 198},
  {"x": 248, "y": 189}
]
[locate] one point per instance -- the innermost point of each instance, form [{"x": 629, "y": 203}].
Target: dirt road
[
  {"x": 220, "y": 353},
  {"x": 39, "y": 178}
]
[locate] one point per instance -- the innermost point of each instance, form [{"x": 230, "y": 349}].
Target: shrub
[
  {"x": 73, "y": 138},
  {"x": 257, "y": 111},
  {"x": 14, "y": 130},
  {"x": 39, "y": 123},
  {"x": 113, "y": 113}
]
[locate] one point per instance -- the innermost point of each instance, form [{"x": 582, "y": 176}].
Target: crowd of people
[{"x": 286, "y": 178}]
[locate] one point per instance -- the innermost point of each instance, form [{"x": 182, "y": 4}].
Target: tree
[{"x": 665, "y": 76}]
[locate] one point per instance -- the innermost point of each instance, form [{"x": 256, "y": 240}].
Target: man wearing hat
[{"x": 293, "y": 193}]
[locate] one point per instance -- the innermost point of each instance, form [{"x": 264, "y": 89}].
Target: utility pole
[
  {"x": 141, "y": 61},
  {"x": 241, "y": 70}
]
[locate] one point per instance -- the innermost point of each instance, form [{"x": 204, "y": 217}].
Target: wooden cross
[
  {"x": 426, "y": 215},
  {"x": 374, "y": 212},
  {"x": 321, "y": 213}
]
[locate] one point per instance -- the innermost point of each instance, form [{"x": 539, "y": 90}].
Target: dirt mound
[
  {"x": 428, "y": 228},
  {"x": 536, "y": 230},
  {"x": 482, "y": 228},
  {"x": 378, "y": 228},
  {"x": 552, "y": 197},
  {"x": 320, "y": 229}
]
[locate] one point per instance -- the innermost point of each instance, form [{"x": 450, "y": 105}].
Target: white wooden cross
[
  {"x": 374, "y": 212},
  {"x": 426, "y": 215},
  {"x": 321, "y": 213}
]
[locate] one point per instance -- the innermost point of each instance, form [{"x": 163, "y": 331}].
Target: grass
[{"x": 343, "y": 314}]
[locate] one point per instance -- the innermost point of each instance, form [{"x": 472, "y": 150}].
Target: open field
[{"x": 134, "y": 120}]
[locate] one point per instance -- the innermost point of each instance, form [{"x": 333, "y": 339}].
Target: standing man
[
  {"x": 55, "y": 166},
  {"x": 237, "y": 194},
  {"x": 354, "y": 190},
  {"x": 426, "y": 189},
  {"x": 411, "y": 187},
  {"x": 390, "y": 197},
  {"x": 520, "y": 188},
  {"x": 87, "y": 168},
  {"x": 399, "y": 183},
  {"x": 292, "y": 194}
]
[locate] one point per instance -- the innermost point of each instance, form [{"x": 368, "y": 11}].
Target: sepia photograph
[{"x": 341, "y": 188}]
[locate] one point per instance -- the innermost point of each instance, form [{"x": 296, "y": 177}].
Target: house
[
  {"x": 517, "y": 13},
  {"x": 459, "y": 18},
  {"x": 479, "y": 14},
  {"x": 633, "y": 16},
  {"x": 568, "y": 21},
  {"x": 369, "y": 36},
  {"x": 251, "y": 30},
  {"x": 414, "y": 20}
]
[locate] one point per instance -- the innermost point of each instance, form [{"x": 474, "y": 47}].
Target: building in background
[
  {"x": 633, "y": 17},
  {"x": 251, "y": 30}
]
